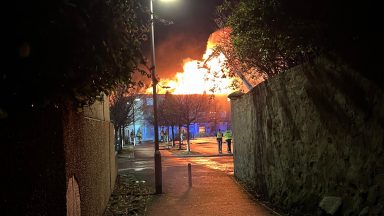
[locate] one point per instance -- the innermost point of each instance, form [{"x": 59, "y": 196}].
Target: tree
[
  {"x": 191, "y": 108},
  {"x": 258, "y": 36},
  {"x": 169, "y": 113},
  {"x": 63, "y": 50},
  {"x": 272, "y": 36},
  {"x": 234, "y": 67},
  {"x": 122, "y": 102},
  {"x": 214, "y": 114}
]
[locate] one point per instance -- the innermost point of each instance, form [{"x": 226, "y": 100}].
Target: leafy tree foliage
[
  {"x": 59, "y": 50},
  {"x": 275, "y": 35}
]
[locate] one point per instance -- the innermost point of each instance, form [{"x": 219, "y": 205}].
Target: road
[{"x": 207, "y": 148}]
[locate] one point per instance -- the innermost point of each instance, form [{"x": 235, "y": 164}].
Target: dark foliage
[
  {"x": 60, "y": 49},
  {"x": 169, "y": 112},
  {"x": 278, "y": 34}
]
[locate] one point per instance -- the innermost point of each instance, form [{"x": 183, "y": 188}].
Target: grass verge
[{"x": 130, "y": 197}]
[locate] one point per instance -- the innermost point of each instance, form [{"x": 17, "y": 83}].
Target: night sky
[{"x": 193, "y": 22}]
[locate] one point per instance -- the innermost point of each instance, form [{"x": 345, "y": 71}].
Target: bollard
[{"x": 190, "y": 175}]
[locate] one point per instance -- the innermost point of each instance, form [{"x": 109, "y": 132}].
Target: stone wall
[{"x": 312, "y": 132}]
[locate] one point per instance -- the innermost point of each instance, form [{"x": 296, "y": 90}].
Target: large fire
[{"x": 196, "y": 79}]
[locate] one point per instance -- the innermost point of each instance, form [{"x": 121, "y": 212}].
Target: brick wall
[{"x": 90, "y": 155}]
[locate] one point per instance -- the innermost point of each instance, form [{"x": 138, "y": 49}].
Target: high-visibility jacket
[
  {"x": 219, "y": 134},
  {"x": 227, "y": 135},
  {"x": 139, "y": 134}
]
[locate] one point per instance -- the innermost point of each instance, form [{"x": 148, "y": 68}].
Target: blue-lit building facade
[{"x": 216, "y": 115}]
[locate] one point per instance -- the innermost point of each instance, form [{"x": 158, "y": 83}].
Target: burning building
[{"x": 210, "y": 75}]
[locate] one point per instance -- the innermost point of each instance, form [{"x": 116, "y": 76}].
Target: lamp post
[{"x": 158, "y": 171}]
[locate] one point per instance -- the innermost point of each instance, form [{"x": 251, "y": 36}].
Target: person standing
[
  {"x": 162, "y": 135},
  {"x": 132, "y": 137},
  {"x": 228, "y": 139},
  {"x": 139, "y": 135},
  {"x": 219, "y": 138},
  {"x": 181, "y": 136},
  {"x": 167, "y": 135}
]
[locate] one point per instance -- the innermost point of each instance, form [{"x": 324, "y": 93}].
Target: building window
[{"x": 149, "y": 101}]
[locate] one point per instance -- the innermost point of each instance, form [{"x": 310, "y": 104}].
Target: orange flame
[{"x": 196, "y": 79}]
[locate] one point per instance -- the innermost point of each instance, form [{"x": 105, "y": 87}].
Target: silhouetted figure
[
  {"x": 162, "y": 135},
  {"x": 139, "y": 135},
  {"x": 132, "y": 137},
  {"x": 219, "y": 138}
]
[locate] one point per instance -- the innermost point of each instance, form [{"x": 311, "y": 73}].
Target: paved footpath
[{"x": 214, "y": 191}]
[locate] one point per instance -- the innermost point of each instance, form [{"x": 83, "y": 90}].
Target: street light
[{"x": 158, "y": 172}]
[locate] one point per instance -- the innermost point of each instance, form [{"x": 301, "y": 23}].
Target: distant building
[{"x": 215, "y": 116}]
